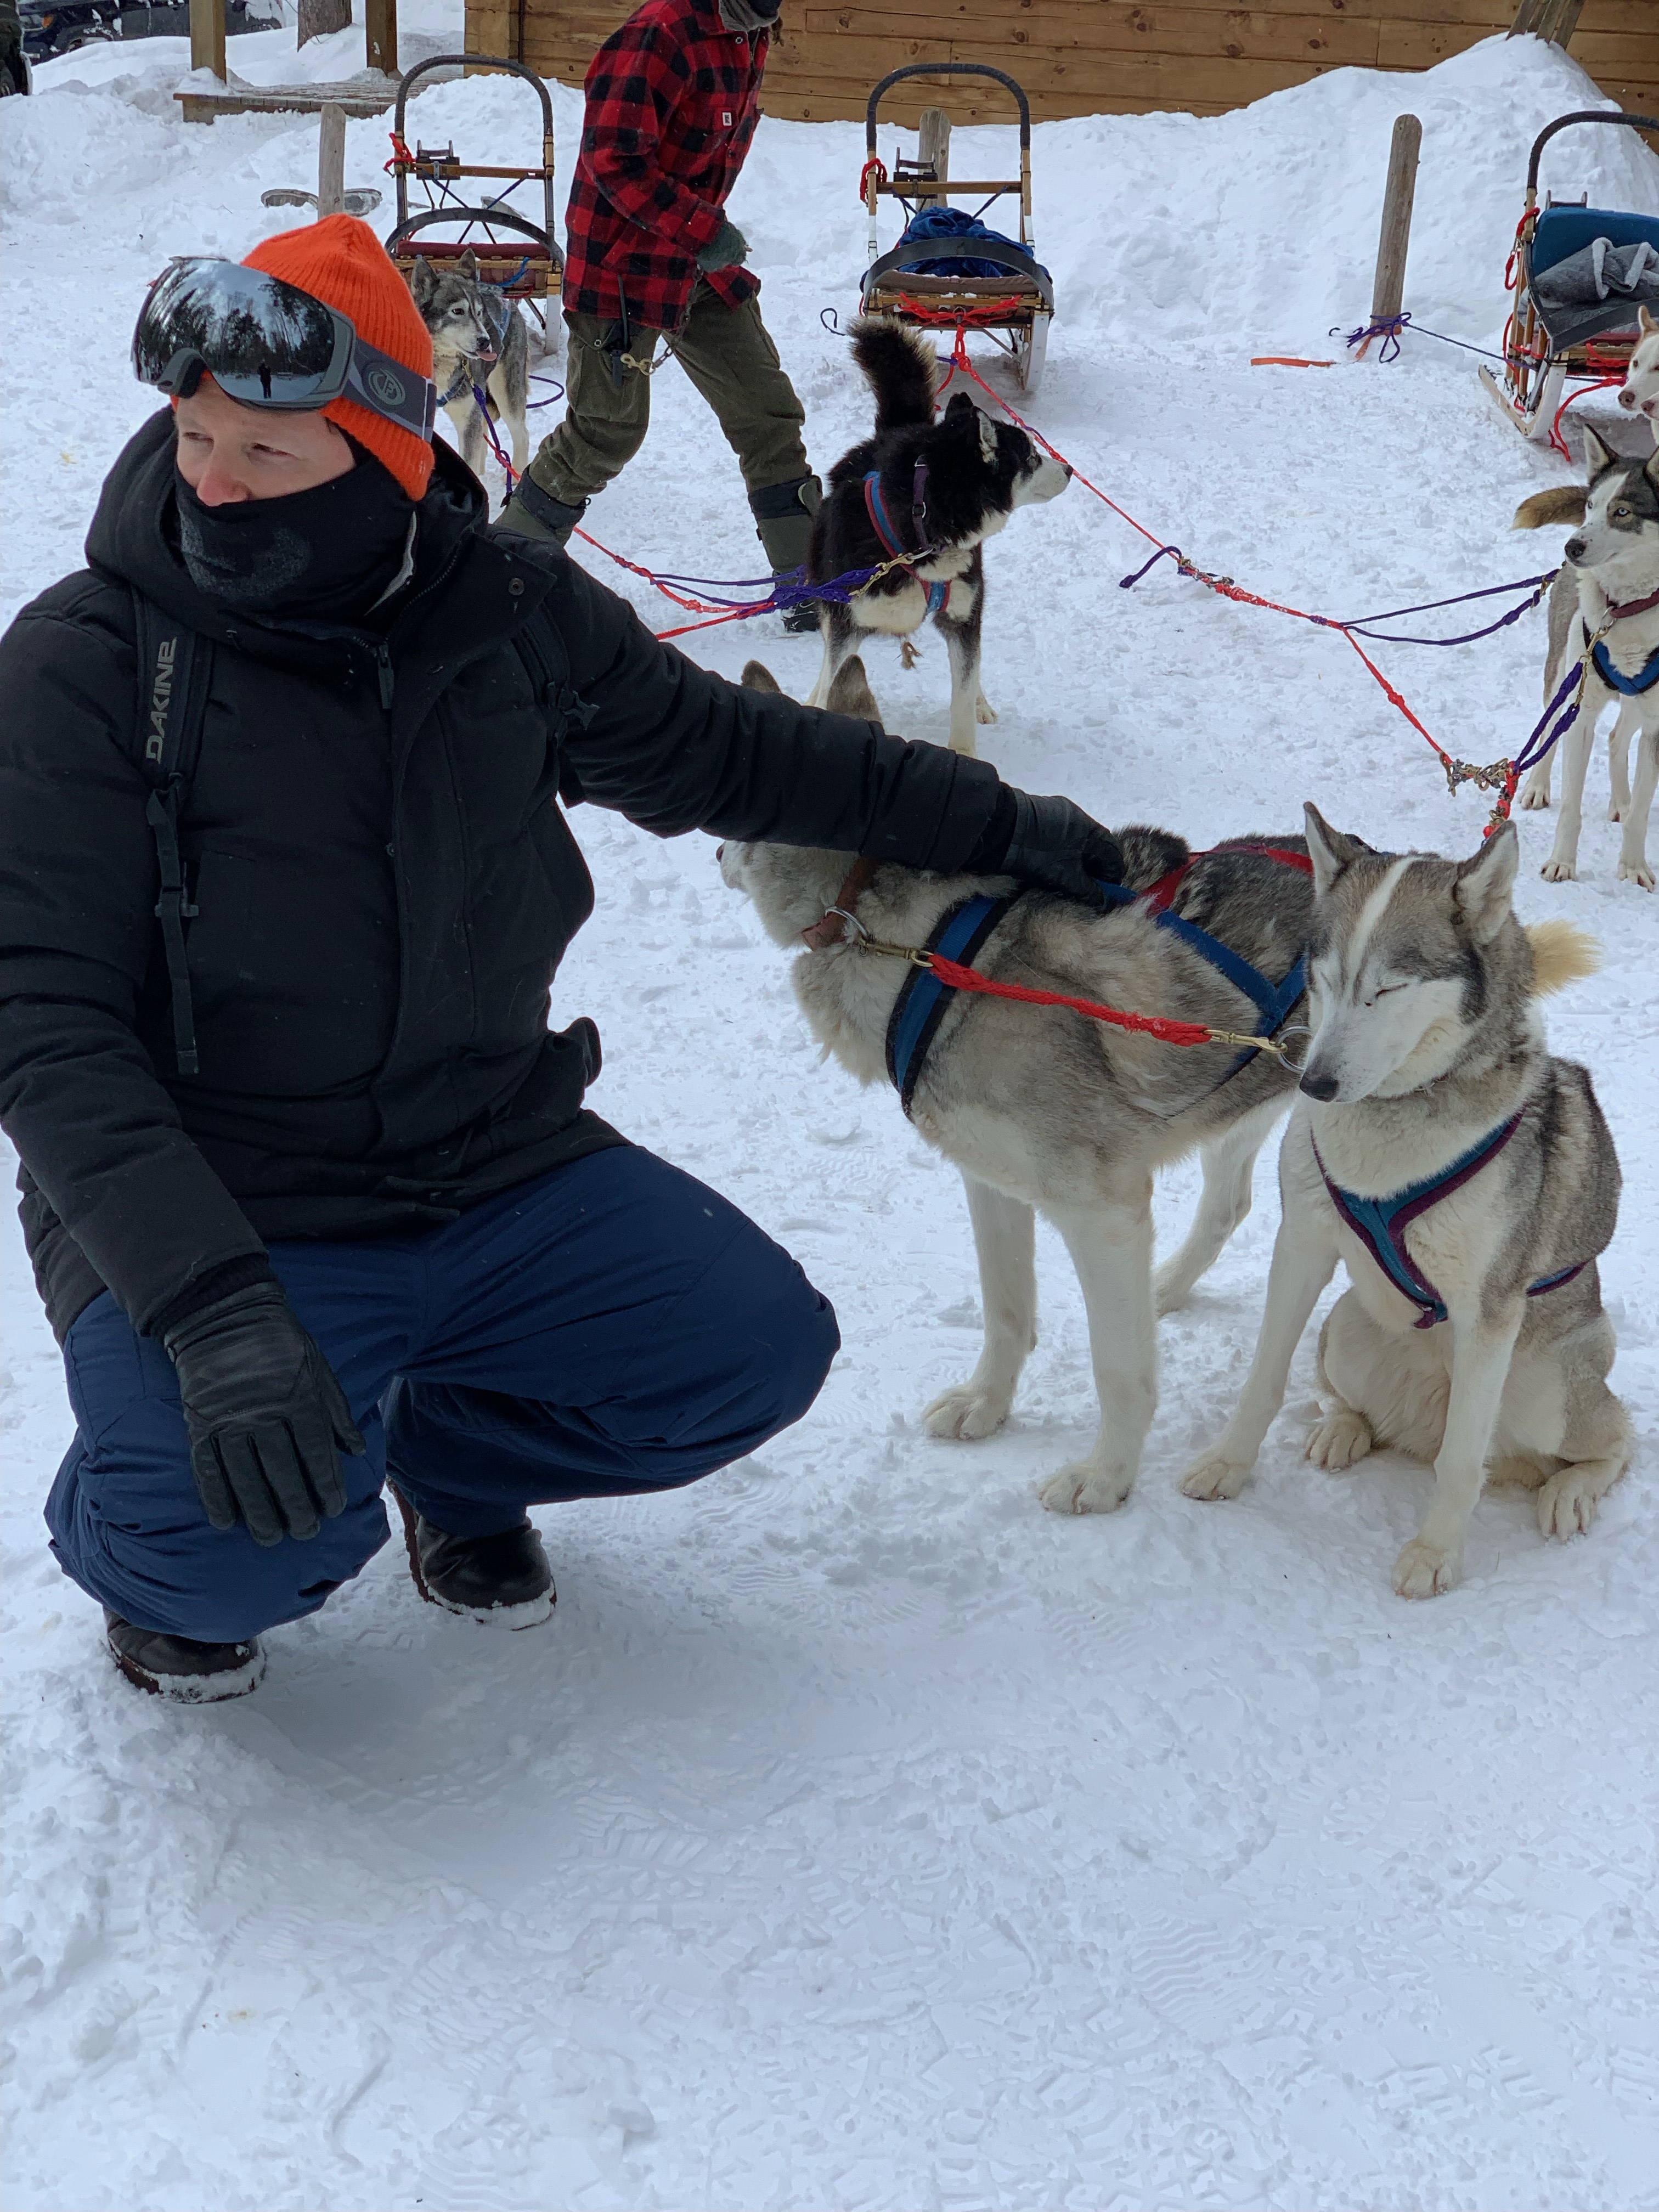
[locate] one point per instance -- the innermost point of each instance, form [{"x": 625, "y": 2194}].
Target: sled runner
[
  {"x": 525, "y": 265},
  {"x": 1572, "y": 315},
  {"x": 947, "y": 269}
]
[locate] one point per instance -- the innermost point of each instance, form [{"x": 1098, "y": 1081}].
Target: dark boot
[
  {"x": 533, "y": 512},
  {"x": 503, "y": 1581},
  {"x": 184, "y": 1671},
  {"x": 783, "y": 517}
]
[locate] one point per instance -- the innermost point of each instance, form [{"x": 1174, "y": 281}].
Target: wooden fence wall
[{"x": 1089, "y": 57}]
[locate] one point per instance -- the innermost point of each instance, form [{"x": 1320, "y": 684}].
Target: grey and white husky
[
  {"x": 932, "y": 490},
  {"x": 1045, "y": 1112},
  {"x": 1607, "y": 593},
  {"x": 1466, "y": 1178},
  {"x": 479, "y": 339}
]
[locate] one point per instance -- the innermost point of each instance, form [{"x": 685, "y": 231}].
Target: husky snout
[{"x": 1575, "y": 549}]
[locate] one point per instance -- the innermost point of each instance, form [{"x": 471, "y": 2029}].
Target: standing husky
[
  {"x": 1607, "y": 592},
  {"x": 1639, "y": 392},
  {"x": 1043, "y": 1111},
  {"x": 1466, "y": 1180},
  {"x": 478, "y": 338},
  {"x": 931, "y": 492}
]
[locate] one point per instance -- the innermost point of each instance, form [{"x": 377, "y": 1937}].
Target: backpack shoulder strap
[{"x": 174, "y": 665}]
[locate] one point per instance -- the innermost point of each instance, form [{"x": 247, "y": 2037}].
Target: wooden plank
[{"x": 1262, "y": 34}]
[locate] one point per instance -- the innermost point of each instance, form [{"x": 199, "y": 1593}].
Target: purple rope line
[{"x": 1359, "y": 625}]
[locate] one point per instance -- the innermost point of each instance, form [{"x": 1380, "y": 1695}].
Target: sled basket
[{"x": 1549, "y": 337}]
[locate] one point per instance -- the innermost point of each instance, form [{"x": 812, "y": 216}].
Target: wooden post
[
  {"x": 207, "y": 36},
  {"x": 1389, "y": 287},
  {"x": 330, "y": 161},
  {"x": 934, "y": 146},
  {"x": 1554, "y": 20},
  {"x": 380, "y": 34}
]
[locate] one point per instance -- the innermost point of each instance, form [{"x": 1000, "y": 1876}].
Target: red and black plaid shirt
[{"x": 672, "y": 101}]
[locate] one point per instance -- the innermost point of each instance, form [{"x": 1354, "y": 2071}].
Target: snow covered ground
[{"x": 858, "y": 1834}]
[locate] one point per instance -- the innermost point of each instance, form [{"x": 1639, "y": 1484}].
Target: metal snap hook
[{"x": 1295, "y": 1059}]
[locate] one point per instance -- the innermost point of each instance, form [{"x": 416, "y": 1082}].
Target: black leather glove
[
  {"x": 724, "y": 250},
  {"x": 266, "y": 1417},
  {"x": 1056, "y": 847}
]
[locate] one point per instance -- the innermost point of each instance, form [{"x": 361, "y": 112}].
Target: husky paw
[
  {"x": 1214, "y": 1477},
  {"x": 1566, "y": 1504},
  {"x": 1340, "y": 1440},
  {"x": 1617, "y": 808},
  {"x": 967, "y": 1412},
  {"x": 1532, "y": 798},
  {"x": 1082, "y": 1487},
  {"x": 983, "y": 710},
  {"x": 1559, "y": 872},
  {"x": 1424, "y": 1571},
  {"x": 1637, "y": 871}
]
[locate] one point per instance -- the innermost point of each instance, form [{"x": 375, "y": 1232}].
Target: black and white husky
[
  {"x": 479, "y": 344},
  {"x": 1604, "y": 601},
  {"x": 1466, "y": 1178},
  {"x": 927, "y": 493}
]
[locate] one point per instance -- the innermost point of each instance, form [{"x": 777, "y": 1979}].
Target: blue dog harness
[
  {"x": 962, "y": 931},
  {"x": 1629, "y": 685},
  {"x": 1381, "y": 1223},
  {"x": 939, "y": 593}
]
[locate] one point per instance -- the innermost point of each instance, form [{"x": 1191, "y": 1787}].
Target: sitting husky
[
  {"x": 1466, "y": 1180},
  {"x": 479, "y": 339},
  {"x": 1045, "y": 1110},
  {"x": 931, "y": 492},
  {"x": 1608, "y": 590}
]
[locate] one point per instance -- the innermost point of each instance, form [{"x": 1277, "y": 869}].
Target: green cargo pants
[{"x": 729, "y": 356}]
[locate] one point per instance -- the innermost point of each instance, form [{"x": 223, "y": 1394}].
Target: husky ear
[
  {"x": 1652, "y": 472},
  {"x": 756, "y": 676},
  {"x": 987, "y": 441},
  {"x": 958, "y": 406},
  {"x": 1645, "y": 323},
  {"x": 466, "y": 264},
  {"x": 1328, "y": 849},
  {"x": 421, "y": 281},
  {"x": 1484, "y": 885},
  {"x": 1561, "y": 504},
  {"x": 1597, "y": 457},
  {"x": 850, "y": 693}
]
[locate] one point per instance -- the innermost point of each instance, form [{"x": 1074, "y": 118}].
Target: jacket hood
[{"x": 133, "y": 533}]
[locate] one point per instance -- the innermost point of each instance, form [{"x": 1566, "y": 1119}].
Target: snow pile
[{"x": 858, "y": 1834}]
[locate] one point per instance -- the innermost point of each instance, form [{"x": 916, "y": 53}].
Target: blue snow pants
[{"x": 611, "y": 1327}]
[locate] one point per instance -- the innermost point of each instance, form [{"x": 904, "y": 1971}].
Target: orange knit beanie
[{"x": 340, "y": 262}]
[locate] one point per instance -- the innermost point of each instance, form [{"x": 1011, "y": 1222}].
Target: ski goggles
[{"x": 267, "y": 344}]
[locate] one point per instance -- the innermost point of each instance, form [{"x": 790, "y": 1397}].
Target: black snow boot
[
  {"x": 184, "y": 1671},
  {"x": 533, "y": 512},
  {"x": 503, "y": 1581},
  {"x": 783, "y": 517}
]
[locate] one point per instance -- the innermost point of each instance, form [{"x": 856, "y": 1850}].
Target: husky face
[
  {"x": 1639, "y": 394},
  {"x": 1401, "y": 960},
  {"x": 453, "y": 307},
  {"x": 1619, "y": 540},
  {"x": 982, "y": 471}
]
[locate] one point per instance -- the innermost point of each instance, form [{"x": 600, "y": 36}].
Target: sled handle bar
[
  {"x": 405, "y": 86},
  {"x": 1564, "y": 122},
  {"x": 954, "y": 68}
]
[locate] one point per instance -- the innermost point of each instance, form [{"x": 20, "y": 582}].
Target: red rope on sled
[{"x": 957, "y": 978}]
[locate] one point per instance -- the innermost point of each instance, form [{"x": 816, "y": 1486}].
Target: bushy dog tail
[
  {"x": 900, "y": 366},
  {"x": 1562, "y": 953},
  {"x": 1561, "y": 504}
]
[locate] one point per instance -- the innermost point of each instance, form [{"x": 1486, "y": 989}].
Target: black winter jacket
[{"x": 385, "y": 891}]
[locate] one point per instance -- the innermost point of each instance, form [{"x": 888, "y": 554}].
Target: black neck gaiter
[{"x": 326, "y": 555}]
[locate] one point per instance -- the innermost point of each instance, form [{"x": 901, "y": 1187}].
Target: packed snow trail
[{"x": 857, "y": 1833}]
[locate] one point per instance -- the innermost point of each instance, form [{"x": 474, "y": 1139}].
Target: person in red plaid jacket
[{"x": 672, "y": 102}]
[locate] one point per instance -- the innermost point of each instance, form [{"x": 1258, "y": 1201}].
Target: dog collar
[
  {"x": 939, "y": 593},
  {"x": 1621, "y": 611}
]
